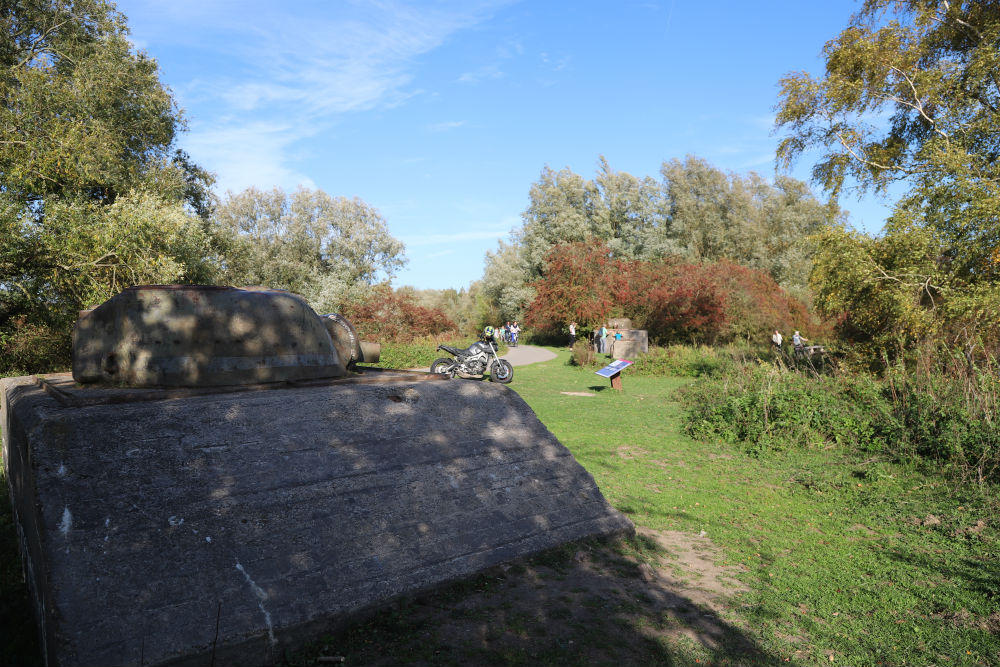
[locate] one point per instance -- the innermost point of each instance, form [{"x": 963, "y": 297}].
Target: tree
[
  {"x": 911, "y": 95},
  {"x": 581, "y": 282},
  {"x": 697, "y": 213},
  {"x": 505, "y": 283},
  {"x": 329, "y": 249},
  {"x": 94, "y": 195}
]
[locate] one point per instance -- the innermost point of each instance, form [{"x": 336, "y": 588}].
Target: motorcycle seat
[{"x": 452, "y": 350}]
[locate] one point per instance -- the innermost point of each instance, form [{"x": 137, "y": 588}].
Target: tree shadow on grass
[{"x": 588, "y": 603}]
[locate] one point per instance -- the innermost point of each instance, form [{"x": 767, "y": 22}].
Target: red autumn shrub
[
  {"x": 580, "y": 283},
  {"x": 675, "y": 301},
  {"x": 756, "y": 304},
  {"x": 390, "y": 317}
]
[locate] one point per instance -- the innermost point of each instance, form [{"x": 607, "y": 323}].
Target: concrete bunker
[{"x": 180, "y": 521}]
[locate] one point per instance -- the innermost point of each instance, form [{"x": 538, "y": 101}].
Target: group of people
[
  {"x": 598, "y": 337},
  {"x": 508, "y": 333},
  {"x": 798, "y": 342}
]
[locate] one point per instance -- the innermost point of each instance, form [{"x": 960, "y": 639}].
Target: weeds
[{"x": 945, "y": 416}]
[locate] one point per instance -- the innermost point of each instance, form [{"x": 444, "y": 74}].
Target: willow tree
[
  {"x": 911, "y": 98},
  {"x": 94, "y": 195},
  {"x": 911, "y": 95}
]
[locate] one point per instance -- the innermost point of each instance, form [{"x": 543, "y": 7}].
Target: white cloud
[
  {"x": 481, "y": 74},
  {"x": 447, "y": 125},
  {"x": 289, "y": 74}
]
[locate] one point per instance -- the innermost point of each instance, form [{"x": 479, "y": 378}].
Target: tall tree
[
  {"x": 329, "y": 249},
  {"x": 911, "y": 94},
  {"x": 94, "y": 195}
]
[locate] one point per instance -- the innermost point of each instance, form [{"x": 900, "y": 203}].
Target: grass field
[
  {"x": 818, "y": 557},
  {"x": 848, "y": 561}
]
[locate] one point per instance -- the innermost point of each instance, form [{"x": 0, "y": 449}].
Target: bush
[
  {"x": 33, "y": 348},
  {"x": 583, "y": 354},
  {"x": 388, "y": 316},
  {"x": 683, "y": 361},
  {"x": 945, "y": 417}
]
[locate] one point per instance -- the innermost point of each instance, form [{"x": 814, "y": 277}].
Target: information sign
[{"x": 614, "y": 368}]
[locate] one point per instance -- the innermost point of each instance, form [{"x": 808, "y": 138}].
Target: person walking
[
  {"x": 776, "y": 341},
  {"x": 572, "y": 334},
  {"x": 602, "y": 340}
]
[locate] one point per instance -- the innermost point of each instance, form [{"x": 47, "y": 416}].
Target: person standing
[
  {"x": 515, "y": 331},
  {"x": 602, "y": 338},
  {"x": 798, "y": 343},
  {"x": 776, "y": 341},
  {"x": 572, "y": 334}
]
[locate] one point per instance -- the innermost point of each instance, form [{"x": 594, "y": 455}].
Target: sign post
[{"x": 614, "y": 372}]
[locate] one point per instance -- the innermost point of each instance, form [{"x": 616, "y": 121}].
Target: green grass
[{"x": 834, "y": 548}]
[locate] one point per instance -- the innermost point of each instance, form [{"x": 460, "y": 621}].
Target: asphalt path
[{"x": 522, "y": 355}]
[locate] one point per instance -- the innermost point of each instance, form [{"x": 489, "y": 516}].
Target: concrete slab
[{"x": 231, "y": 526}]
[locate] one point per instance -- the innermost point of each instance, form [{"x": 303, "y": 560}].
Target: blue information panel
[{"x": 614, "y": 367}]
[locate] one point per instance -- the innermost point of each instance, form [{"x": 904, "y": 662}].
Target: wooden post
[{"x": 616, "y": 381}]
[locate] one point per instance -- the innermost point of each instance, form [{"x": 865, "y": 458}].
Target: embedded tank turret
[
  {"x": 214, "y": 485},
  {"x": 203, "y": 335}
]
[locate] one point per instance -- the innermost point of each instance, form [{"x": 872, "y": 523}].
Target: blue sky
[{"x": 442, "y": 114}]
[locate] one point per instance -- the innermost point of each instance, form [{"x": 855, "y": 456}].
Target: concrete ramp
[{"x": 172, "y": 527}]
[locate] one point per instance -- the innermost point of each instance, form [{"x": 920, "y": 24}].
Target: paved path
[{"x": 522, "y": 355}]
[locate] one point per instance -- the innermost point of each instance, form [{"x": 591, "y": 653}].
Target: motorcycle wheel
[
  {"x": 443, "y": 366},
  {"x": 501, "y": 371}
]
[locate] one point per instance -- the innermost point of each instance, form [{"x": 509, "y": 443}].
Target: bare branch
[{"x": 919, "y": 106}]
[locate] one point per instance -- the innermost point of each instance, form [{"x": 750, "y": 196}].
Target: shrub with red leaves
[
  {"x": 387, "y": 316},
  {"x": 675, "y": 301},
  {"x": 581, "y": 283}
]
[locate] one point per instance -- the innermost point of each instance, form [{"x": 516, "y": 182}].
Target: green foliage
[
  {"x": 682, "y": 361},
  {"x": 945, "y": 417},
  {"x": 765, "y": 407},
  {"x": 329, "y": 249},
  {"x": 94, "y": 197},
  {"x": 25, "y": 346},
  {"x": 931, "y": 67}
]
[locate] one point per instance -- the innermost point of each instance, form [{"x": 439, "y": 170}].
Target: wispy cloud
[
  {"x": 293, "y": 73},
  {"x": 445, "y": 126},
  {"x": 481, "y": 74}
]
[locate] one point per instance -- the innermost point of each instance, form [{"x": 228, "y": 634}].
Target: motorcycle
[{"x": 473, "y": 361}]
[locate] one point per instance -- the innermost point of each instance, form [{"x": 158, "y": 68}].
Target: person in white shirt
[{"x": 572, "y": 334}]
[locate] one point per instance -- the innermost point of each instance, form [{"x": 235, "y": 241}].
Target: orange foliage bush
[{"x": 388, "y": 316}]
